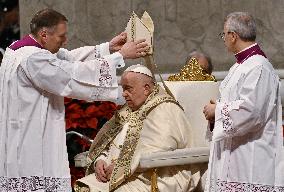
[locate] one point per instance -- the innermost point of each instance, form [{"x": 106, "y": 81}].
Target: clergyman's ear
[
  {"x": 235, "y": 36},
  {"x": 42, "y": 34}
]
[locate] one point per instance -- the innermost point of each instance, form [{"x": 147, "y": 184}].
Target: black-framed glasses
[{"x": 222, "y": 34}]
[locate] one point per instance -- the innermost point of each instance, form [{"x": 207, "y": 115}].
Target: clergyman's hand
[
  {"x": 134, "y": 49},
  {"x": 117, "y": 42},
  {"x": 100, "y": 170},
  {"x": 109, "y": 170},
  {"x": 209, "y": 111}
]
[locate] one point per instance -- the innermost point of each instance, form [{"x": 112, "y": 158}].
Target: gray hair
[{"x": 243, "y": 24}]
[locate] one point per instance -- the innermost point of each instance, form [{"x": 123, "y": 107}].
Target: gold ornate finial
[{"x": 192, "y": 72}]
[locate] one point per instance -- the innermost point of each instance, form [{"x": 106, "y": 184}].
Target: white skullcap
[{"x": 140, "y": 69}]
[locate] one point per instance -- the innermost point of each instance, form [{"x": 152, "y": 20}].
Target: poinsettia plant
[{"x": 85, "y": 118}]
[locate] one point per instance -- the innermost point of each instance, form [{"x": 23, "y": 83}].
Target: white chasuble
[
  {"x": 247, "y": 151},
  {"x": 33, "y": 84},
  {"x": 165, "y": 128}
]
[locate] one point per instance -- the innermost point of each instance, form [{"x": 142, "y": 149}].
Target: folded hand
[
  {"x": 209, "y": 111},
  {"x": 100, "y": 170}
]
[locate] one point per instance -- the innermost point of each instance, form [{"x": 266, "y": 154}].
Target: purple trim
[
  {"x": 25, "y": 41},
  {"x": 244, "y": 55}
]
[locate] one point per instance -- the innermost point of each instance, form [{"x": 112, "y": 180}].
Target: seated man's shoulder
[
  {"x": 169, "y": 108},
  {"x": 167, "y": 111}
]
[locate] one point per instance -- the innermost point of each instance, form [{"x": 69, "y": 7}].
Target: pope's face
[
  {"x": 56, "y": 38},
  {"x": 134, "y": 90}
]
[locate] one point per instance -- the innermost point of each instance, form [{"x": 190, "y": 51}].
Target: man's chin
[
  {"x": 131, "y": 106},
  {"x": 54, "y": 51}
]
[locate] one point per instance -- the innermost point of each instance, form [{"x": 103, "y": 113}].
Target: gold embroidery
[
  {"x": 80, "y": 187},
  {"x": 133, "y": 31},
  {"x": 122, "y": 168},
  {"x": 109, "y": 131},
  {"x": 192, "y": 72},
  {"x": 154, "y": 181}
]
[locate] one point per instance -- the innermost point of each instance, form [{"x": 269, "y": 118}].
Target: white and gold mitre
[{"x": 141, "y": 29}]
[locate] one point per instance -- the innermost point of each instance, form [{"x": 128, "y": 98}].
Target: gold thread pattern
[
  {"x": 192, "y": 72},
  {"x": 133, "y": 32},
  {"x": 122, "y": 168}
]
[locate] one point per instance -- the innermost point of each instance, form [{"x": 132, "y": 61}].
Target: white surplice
[
  {"x": 33, "y": 84},
  {"x": 247, "y": 151}
]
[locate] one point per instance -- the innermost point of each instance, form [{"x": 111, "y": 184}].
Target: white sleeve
[
  {"x": 90, "y": 80},
  {"x": 87, "y": 53},
  {"x": 209, "y": 131},
  {"x": 248, "y": 113}
]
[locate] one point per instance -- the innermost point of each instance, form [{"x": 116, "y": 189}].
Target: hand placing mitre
[
  {"x": 209, "y": 111},
  {"x": 117, "y": 42},
  {"x": 134, "y": 49}
]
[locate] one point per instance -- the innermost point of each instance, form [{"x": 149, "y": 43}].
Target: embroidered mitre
[{"x": 141, "y": 29}]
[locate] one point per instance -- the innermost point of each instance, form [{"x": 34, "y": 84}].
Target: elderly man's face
[
  {"x": 229, "y": 39},
  {"x": 135, "y": 90}
]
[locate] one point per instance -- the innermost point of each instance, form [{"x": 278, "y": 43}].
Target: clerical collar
[
  {"x": 248, "y": 52},
  {"x": 28, "y": 40}
]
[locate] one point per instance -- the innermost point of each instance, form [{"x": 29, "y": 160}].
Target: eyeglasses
[{"x": 222, "y": 34}]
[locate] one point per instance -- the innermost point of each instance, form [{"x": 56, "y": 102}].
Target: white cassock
[
  {"x": 247, "y": 151},
  {"x": 33, "y": 85},
  {"x": 166, "y": 128}
]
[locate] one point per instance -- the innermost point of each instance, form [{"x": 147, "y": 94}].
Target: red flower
[
  {"x": 92, "y": 122},
  {"x": 73, "y": 107},
  {"x": 74, "y": 116},
  {"x": 107, "y": 109},
  {"x": 67, "y": 100},
  {"x": 91, "y": 110},
  {"x": 76, "y": 173},
  {"x": 81, "y": 114}
]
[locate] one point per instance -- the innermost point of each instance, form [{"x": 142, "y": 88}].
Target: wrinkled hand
[
  {"x": 100, "y": 170},
  {"x": 109, "y": 170},
  {"x": 209, "y": 111},
  {"x": 133, "y": 50},
  {"x": 117, "y": 42}
]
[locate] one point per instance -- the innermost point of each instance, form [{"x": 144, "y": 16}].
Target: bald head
[{"x": 203, "y": 60}]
